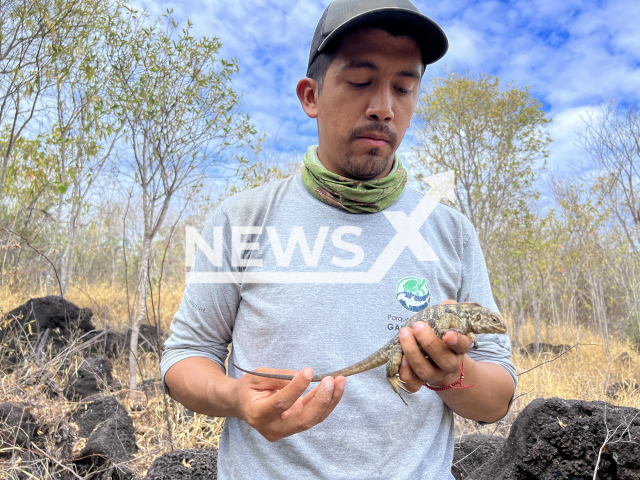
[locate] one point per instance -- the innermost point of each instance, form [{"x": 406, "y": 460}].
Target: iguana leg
[
  {"x": 445, "y": 321},
  {"x": 393, "y": 365},
  {"x": 395, "y": 358},
  {"x": 443, "y": 324},
  {"x": 472, "y": 336}
]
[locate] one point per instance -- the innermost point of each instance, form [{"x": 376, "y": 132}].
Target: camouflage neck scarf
[{"x": 354, "y": 196}]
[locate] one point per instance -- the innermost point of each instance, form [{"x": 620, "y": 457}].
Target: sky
[{"x": 575, "y": 55}]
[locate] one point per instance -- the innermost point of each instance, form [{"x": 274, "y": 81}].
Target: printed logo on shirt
[
  {"x": 239, "y": 247},
  {"x": 196, "y": 306},
  {"x": 413, "y": 293},
  {"x": 396, "y": 322}
]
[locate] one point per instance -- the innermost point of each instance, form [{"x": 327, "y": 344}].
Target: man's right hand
[{"x": 277, "y": 409}]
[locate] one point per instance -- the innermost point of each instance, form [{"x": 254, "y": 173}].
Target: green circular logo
[{"x": 413, "y": 293}]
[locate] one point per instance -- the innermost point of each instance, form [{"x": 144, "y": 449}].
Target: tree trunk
[
  {"x": 574, "y": 316},
  {"x": 536, "y": 322},
  {"x": 66, "y": 262},
  {"x": 56, "y": 231},
  {"x": 141, "y": 313},
  {"x": 113, "y": 257},
  {"x": 513, "y": 308},
  {"x": 3, "y": 172},
  {"x": 72, "y": 233},
  {"x": 520, "y": 315}
]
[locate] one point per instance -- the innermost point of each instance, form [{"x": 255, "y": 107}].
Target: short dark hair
[{"x": 318, "y": 69}]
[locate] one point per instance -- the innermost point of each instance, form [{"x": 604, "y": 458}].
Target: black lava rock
[
  {"x": 545, "y": 348},
  {"x": 472, "y": 451},
  {"x": 17, "y": 425},
  {"x": 93, "y": 414},
  {"x": 152, "y": 387},
  {"x": 615, "y": 389},
  {"x": 92, "y": 377},
  {"x": 49, "y": 312},
  {"x": 49, "y": 319},
  {"x": 625, "y": 359},
  {"x": 110, "y": 344},
  {"x": 202, "y": 464},
  {"x": 148, "y": 339},
  {"x": 560, "y": 440},
  {"x": 112, "y": 441}
]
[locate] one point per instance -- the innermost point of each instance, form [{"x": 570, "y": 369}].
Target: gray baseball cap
[{"x": 341, "y": 15}]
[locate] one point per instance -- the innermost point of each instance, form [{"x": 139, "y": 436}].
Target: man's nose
[{"x": 381, "y": 105}]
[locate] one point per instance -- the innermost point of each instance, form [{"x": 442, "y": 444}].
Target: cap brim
[{"x": 431, "y": 39}]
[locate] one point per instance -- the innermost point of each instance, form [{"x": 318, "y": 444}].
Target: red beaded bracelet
[{"x": 453, "y": 385}]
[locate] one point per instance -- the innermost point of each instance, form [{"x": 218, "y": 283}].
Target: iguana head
[
  {"x": 483, "y": 320},
  {"x": 489, "y": 322}
]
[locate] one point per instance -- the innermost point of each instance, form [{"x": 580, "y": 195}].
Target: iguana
[{"x": 466, "y": 318}]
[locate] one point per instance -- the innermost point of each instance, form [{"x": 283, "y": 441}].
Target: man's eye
[
  {"x": 404, "y": 90},
  {"x": 359, "y": 85}
]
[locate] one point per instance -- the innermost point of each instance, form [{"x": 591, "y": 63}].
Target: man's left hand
[{"x": 443, "y": 363}]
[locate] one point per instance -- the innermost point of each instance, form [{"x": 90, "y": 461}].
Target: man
[{"x": 324, "y": 268}]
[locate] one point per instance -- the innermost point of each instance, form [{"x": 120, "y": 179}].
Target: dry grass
[
  {"x": 31, "y": 385},
  {"x": 109, "y": 305},
  {"x": 582, "y": 374}
]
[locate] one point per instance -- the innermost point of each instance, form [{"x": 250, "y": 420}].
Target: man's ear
[{"x": 307, "y": 91}]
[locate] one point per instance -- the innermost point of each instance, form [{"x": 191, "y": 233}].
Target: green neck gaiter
[{"x": 354, "y": 196}]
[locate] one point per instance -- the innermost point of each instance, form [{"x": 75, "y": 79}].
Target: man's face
[{"x": 369, "y": 93}]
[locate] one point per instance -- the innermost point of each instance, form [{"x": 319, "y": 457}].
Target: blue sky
[{"x": 575, "y": 55}]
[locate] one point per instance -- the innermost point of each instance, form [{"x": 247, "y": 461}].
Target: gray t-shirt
[{"x": 329, "y": 300}]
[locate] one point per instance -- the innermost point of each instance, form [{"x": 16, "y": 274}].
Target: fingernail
[
  {"x": 404, "y": 361},
  {"x": 308, "y": 373},
  {"x": 453, "y": 339},
  {"x": 342, "y": 383},
  {"x": 404, "y": 333},
  {"x": 418, "y": 326}
]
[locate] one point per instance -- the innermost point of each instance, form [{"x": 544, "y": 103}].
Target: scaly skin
[{"x": 465, "y": 318}]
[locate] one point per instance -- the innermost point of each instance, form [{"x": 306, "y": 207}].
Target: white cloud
[
  {"x": 466, "y": 46},
  {"x": 564, "y": 151},
  {"x": 575, "y": 54}
]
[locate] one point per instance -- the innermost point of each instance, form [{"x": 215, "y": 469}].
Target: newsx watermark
[{"x": 407, "y": 235}]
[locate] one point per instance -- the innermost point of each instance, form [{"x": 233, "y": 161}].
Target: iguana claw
[{"x": 396, "y": 384}]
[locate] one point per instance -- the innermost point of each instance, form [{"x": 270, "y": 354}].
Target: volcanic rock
[
  {"x": 46, "y": 321},
  {"x": 472, "y": 451},
  {"x": 17, "y": 425},
  {"x": 92, "y": 377},
  {"x": 545, "y": 348},
  {"x": 561, "y": 439},
  {"x": 111, "y": 439},
  {"x": 114, "y": 439},
  {"x": 615, "y": 389},
  {"x": 110, "y": 343},
  {"x": 191, "y": 464},
  {"x": 148, "y": 339},
  {"x": 52, "y": 313},
  {"x": 93, "y": 414}
]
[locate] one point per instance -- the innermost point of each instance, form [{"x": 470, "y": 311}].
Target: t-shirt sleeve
[
  {"x": 203, "y": 325},
  {"x": 475, "y": 287}
]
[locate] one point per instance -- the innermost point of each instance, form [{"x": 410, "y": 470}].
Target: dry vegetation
[
  {"x": 582, "y": 373},
  {"x": 188, "y": 430}
]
